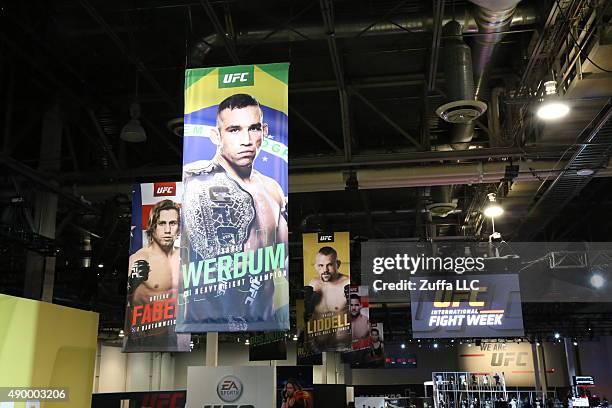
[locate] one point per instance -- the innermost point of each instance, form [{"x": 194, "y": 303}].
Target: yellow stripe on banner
[{"x": 268, "y": 90}]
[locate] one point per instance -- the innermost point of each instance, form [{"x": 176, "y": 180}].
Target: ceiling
[{"x": 365, "y": 80}]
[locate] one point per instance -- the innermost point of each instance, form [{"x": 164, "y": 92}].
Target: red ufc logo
[
  {"x": 164, "y": 189},
  {"x": 164, "y": 400}
]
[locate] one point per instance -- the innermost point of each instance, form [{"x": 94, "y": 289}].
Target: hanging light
[
  {"x": 552, "y": 107},
  {"x": 121, "y": 334},
  {"x": 133, "y": 131},
  {"x": 247, "y": 342},
  {"x": 493, "y": 209}
]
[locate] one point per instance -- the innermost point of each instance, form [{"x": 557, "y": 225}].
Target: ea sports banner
[
  {"x": 234, "y": 247},
  {"x": 153, "y": 271},
  {"x": 326, "y": 289},
  {"x": 237, "y": 386}
]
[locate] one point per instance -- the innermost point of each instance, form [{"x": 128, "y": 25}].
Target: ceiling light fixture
[
  {"x": 133, "y": 131},
  {"x": 493, "y": 209},
  {"x": 552, "y": 107},
  {"x": 597, "y": 281}
]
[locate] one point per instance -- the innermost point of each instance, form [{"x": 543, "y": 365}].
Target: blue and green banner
[{"x": 234, "y": 237}]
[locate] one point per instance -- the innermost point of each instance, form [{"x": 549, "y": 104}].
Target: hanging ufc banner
[
  {"x": 153, "y": 272},
  {"x": 326, "y": 289},
  {"x": 234, "y": 247}
]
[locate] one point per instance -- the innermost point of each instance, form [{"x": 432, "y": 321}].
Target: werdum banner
[
  {"x": 326, "y": 289},
  {"x": 153, "y": 272},
  {"x": 234, "y": 246}
]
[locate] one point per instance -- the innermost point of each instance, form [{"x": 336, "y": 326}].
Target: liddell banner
[
  {"x": 153, "y": 272},
  {"x": 326, "y": 289},
  {"x": 546, "y": 272},
  {"x": 248, "y": 387},
  {"x": 234, "y": 247}
]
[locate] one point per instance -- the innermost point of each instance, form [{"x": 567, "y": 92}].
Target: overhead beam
[
  {"x": 229, "y": 45},
  {"x": 386, "y": 118},
  {"x": 327, "y": 11},
  {"x": 141, "y": 67},
  {"x": 43, "y": 180},
  {"x": 315, "y": 130}
]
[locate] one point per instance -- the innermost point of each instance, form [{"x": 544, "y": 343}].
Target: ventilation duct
[
  {"x": 492, "y": 17},
  {"x": 462, "y": 108}
]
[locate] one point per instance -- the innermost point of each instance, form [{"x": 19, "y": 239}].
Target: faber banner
[
  {"x": 326, "y": 288},
  {"x": 150, "y": 316},
  {"x": 234, "y": 246}
]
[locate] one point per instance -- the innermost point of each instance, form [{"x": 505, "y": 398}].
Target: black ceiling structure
[{"x": 368, "y": 153}]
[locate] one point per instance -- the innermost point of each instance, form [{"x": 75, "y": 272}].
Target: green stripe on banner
[
  {"x": 193, "y": 75},
  {"x": 279, "y": 71},
  {"x": 275, "y": 148}
]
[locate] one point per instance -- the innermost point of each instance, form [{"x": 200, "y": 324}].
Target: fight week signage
[
  {"x": 326, "y": 324},
  {"x": 231, "y": 387},
  {"x": 489, "y": 307},
  {"x": 153, "y": 268},
  {"x": 234, "y": 249}
]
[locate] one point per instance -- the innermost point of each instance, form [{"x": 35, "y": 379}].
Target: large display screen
[
  {"x": 467, "y": 306},
  {"x": 234, "y": 246}
]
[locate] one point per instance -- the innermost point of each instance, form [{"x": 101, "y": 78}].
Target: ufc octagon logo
[{"x": 229, "y": 388}]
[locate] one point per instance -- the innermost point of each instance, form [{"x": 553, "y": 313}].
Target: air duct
[
  {"x": 462, "y": 108},
  {"x": 492, "y": 17}
]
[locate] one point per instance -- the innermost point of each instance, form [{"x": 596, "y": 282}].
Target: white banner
[{"x": 252, "y": 387}]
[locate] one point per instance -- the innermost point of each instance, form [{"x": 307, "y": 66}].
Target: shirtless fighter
[
  {"x": 360, "y": 324},
  {"x": 230, "y": 207},
  {"x": 154, "y": 268},
  {"x": 329, "y": 289}
]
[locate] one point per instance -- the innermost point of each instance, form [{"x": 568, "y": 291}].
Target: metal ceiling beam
[
  {"x": 142, "y": 68},
  {"x": 44, "y": 181},
  {"x": 315, "y": 130},
  {"x": 327, "y": 11},
  {"x": 106, "y": 146},
  {"x": 592, "y": 155},
  {"x": 435, "y": 44},
  {"x": 229, "y": 45},
  {"x": 386, "y": 118}
]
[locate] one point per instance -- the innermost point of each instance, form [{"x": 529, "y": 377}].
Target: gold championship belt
[{"x": 217, "y": 212}]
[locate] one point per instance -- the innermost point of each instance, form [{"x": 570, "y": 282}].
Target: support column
[
  {"x": 536, "y": 366},
  {"x": 212, "y": 349},
  {"x": 40, "y": 270},
  {"x": 570, "y": 359}
]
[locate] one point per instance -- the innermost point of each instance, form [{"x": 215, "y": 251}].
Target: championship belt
[{"x": 217, "y": 212}]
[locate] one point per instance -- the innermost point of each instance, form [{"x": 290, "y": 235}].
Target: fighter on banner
[
  {"x": 234, "y": 251},
  {"x": 153, "y": 271},
  {"x": 327, "y": 281}
]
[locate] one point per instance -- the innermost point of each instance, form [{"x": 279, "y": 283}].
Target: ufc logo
[
  {"x": 164, "y": 189},
  {"x": 164, "y": 400},
  {"x": 504, "y": 359},
  {"x": 326, "y": 237},
  {"x": 236, "y": 77},
  {"x": 449, "y": 298}
]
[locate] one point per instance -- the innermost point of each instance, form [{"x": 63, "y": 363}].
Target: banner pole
[{"x": 212, "y": 349}]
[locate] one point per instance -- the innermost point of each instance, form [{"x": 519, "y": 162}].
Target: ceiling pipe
[
  {"x": 465, "y": 76},
  {"x": 414, "y": 23}
]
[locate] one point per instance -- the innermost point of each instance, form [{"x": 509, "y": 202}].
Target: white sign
[
  {"x": 247, "y": 387},
  {"x": 369, "y": 402}
]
